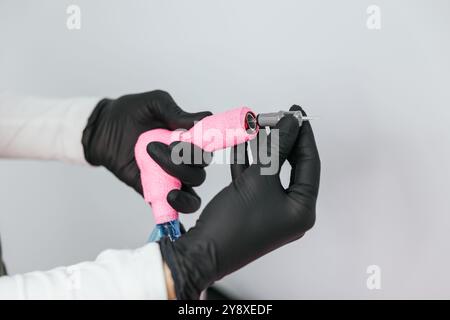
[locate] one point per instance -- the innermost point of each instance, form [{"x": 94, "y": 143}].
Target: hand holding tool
[
  {"x": 253, "y": 215},
  {"x": 212, "y": 133}
]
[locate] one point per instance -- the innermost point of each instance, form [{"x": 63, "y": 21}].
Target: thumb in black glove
[
  {"x": 114, "y": 127},
  {"x": 251, "y": 217}
]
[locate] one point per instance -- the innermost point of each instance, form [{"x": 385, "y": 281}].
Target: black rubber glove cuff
[
  {"x": 89, "y": 132},
  {"x": 185, "y": 264}
]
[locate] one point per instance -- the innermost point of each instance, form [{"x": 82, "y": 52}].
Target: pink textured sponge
[{"x": 212, "y": 133}]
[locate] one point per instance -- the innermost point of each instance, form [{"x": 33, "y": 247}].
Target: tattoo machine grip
[{"x": 215, "y": 132}]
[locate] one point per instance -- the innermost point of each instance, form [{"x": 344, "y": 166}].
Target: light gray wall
[{"x": 383, "y": 134}]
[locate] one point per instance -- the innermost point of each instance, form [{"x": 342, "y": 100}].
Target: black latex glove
[
  {"x": 190, "y": 172},
  {"x": 114, "y": 127},
  {"x": 251, "y": 217}
]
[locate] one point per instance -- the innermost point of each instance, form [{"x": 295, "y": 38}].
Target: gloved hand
[
  {"x": 251, "y": 217},
  {"x": 114, "y": 127}
]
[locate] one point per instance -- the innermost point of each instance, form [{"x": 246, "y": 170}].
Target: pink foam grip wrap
[{"x": 212, "y": 133}]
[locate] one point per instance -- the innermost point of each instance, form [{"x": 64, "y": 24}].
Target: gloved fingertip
[
  {"x": 183, "y": 201},
  {"x": 174, "y": 144},
  {"x": 186, "y": 120},
  {"x": 203, "y": 114},
  {"x": 155, "y": 148},
  {"x": 197, "y": 116},
  {"x": 172, "y": 196},
  {"x": 296, "y": 107},
  {"x": 195, "y": 177},
  {"x": 201, "y": 177}
]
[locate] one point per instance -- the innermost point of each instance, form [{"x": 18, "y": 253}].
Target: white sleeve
[
  {"x": 116, "y": 274},
  {"x": 49, "y": 129}
]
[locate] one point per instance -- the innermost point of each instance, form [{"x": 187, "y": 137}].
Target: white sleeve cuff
[
  {"x": 48, "y": 129},
  {"x": 116, "y": 274}
]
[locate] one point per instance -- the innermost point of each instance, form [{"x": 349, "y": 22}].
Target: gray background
[{"x": 383, "y": 134}]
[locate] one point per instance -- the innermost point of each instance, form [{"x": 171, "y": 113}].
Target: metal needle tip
[{"x": 310, "y": 118}]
